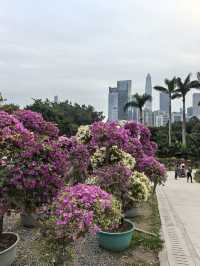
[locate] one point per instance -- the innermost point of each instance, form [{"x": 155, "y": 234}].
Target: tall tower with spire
[{"x": 148, "y": 90}]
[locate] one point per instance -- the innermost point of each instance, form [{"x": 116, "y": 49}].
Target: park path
[{"x": 179, "y": 206}]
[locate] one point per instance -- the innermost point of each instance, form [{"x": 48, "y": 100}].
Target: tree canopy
[
  {"x": 160, "y": 136},
  {"x": 66, "y": 115}
]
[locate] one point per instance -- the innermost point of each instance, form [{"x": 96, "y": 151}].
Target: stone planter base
[
  {"x": 29, "y": 220},
  {"x": 133, "y": 212}
]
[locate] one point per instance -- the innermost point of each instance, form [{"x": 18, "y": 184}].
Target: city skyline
[
  {"x": 118, "y": 96},
  {"x": 42, "y": 56}
]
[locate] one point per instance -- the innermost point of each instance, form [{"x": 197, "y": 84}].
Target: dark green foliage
[
  {"x": 197, "y": 176},
  {"x": 9, "y": 108},
  {"x": 139, "y": 101},
  {"x": 160, "y": 136},
  {"x": 66, "y": 115}
]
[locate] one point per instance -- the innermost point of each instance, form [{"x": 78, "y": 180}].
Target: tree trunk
[
  {"x": 155, "y": 183},
  {"x": 141, "y": 116},
  {"x": 170, "y": 121},
  {"x": 1, "y": 224},
  {"x": 184, "y": 124}
]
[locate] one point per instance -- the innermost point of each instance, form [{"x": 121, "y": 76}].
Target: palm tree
[
  {"x": 2, "y": 100},
  {"x": 138, "y": 102},
  {"x": 169, "y": 89},
  {"x": 183, "y": 87}
]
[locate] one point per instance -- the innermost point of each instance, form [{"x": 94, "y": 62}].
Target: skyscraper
[
  {"x": 148, "y": 90},
  {"x": 56, "y": 99},
  {"x": 195, "y": 104},
  {"x": 164, "y": 102},
  {"x": 124, "y": 95},
  {"x": 113, "y": 104}
]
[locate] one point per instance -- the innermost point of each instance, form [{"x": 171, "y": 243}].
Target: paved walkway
[{"x": 179, "y": 206}]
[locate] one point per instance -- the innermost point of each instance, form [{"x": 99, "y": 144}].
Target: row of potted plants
[{"x": 86, "y": 182}]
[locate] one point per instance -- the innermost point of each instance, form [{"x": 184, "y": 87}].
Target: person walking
[
  {"x": 176, "y": 171},
  {"x": 189, "y": 174}
]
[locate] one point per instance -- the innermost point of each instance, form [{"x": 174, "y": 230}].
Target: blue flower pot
[{"x": 118, "y": 241}]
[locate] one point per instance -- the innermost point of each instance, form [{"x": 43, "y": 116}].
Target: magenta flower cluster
[
  {"x": 32, "y": 169},
  {"x": 36, "y": 164},
  {"x": 115, "y": 179},
  {"x": 34, "y": 122},
  {"x": 81, "y": 208},
  {"x": 134, "y": 138}
]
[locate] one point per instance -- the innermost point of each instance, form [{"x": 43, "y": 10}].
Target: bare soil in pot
[
  {"x": 124, "y": 226},
  {"x": 6, "y": 241}
]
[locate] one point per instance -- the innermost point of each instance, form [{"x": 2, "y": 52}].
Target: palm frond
[
  {"x": 176, "y": 95},
  {"x": 195, "y": 84},
  {"x": 147, "y": 97},
  {"x": 187, "y": 79},
  {"x": 130, "y": 104},
  {"x": 179, "y": 83},
  {"x": 198, "y": 76},
  {"x": 161, "y": 89}
]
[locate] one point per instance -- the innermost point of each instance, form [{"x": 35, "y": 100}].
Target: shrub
[
  {"x": 34, "y": 122},
  {"x": 197, "y": 176},
  {"x": 111, "y": 155},
  {"x": 127, "y": 186},
  {"x": 84, "y": 208},
  {"x": 127, "y": 143},
  {"x": 140, "y": 187},
  {"x": 35, "y": 167},
  {"x": 114, "y": 179}
]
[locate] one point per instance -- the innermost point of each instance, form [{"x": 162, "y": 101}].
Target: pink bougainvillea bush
[
  {"x": 32, "y": 169},
  {"x": 79, "y": 159},
  {"x": 84, "y": 208},
  {"x": 76, "y": 211},
  {"x": 128, "y": 144},
  {"x": 34, "y": 121}
]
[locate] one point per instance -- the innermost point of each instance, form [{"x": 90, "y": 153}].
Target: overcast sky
[{"x": 77, "y": 48}]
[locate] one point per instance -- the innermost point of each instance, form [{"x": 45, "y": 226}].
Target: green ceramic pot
[{"x": 118, "y": 241}]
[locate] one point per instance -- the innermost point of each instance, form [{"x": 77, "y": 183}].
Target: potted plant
[
  {"x": 82, "y": 209},
  {"x": 36, "y": 162},
  {"x": 139, "y": 191},
  {"x": 8, "y": 240}
]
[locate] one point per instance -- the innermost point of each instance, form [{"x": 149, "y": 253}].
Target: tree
[
  {"x": 66, "y": 115},
  {"x": 169, "y": 89},
  {"x": 183, "y": 87},
  {"x": 138, "y": 102},
  {"x": 9, "y": 108},
  {"x": 2, "y": 99}
]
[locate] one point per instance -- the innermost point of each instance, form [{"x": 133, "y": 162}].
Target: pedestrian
[
  {"x": 176, "y": 170},
  {"x": 189, "y": 174}
]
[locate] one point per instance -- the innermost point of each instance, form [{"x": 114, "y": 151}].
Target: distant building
[
  {"x": 148, "y": 117},
  {"x": 176, "y": 117},
  {"x": 56, "y": 99},
  {"x": 164, "y": 102},
  {"x": 113, "y": 104},
  {"x": 134, "y": 112},
  {"x": 195, "y": 104},
  {"x": 124, "y": 96},
  {"x": 160, "y": 118},
  {"x": 148, "y": 90},
  {"x": 189, "y": 112}
]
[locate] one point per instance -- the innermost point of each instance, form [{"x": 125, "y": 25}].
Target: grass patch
[
  {"x": 144, "y": 248},
  {"x": 147, "y": 241}
]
